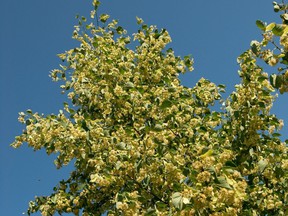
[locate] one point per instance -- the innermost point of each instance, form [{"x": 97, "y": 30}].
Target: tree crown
[{"x": 144, "y": 144}]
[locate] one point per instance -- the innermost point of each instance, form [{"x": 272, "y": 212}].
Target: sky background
[{"x": 32, "y": 32}]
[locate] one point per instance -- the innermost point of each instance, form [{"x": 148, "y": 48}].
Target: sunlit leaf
[
  {"x": 270, "y": 26},
  {"x": 262, "y": 165},
  {"x": 177, "y": 200}
]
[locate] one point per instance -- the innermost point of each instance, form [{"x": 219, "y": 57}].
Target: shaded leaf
[
  {"x": 260, "y": 24},
  {"x": 276, "y": 80},
  {"x": 222, "y": 182},
  {"x": 121, "y": 146},
  {"x": 165, "y": 104}
]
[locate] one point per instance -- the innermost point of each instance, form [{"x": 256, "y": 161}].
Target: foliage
[
  {"x": 273, "y": 49},
  {"x": 145, "y": 145}
]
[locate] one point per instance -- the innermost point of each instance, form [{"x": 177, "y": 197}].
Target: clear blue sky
[{"x": 32, "y": 32}]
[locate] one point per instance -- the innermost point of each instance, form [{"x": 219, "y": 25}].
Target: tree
[{"x": 145, "y": 145}]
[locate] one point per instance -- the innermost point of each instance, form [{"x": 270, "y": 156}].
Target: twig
[{"x": 277, "y": 47}]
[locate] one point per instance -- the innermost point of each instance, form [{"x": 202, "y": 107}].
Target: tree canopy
[{"x": 143, "y": 144}]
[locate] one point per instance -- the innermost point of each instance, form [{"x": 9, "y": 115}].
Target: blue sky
[{"x": 34, "y": 31}]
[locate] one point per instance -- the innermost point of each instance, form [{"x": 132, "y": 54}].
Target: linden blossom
[{"x": 144, "y": 144}]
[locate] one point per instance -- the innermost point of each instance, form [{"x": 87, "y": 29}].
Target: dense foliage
[{"x": 143, "y": 144}]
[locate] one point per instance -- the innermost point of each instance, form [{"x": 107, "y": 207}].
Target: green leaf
[
  {"x": 284, "y": 16},
  {"x": 177, "y": 200},
  {"x": 188, "y": 61},
  {"x": 222, "y": 182},
  {"x": 81, "y": 186},
  {"x": 119, "y": 30},
  {"x": 278, "y": 30},
  {"x": 84, "y": 125},
  {"x": 255, "y": 47},
  {"x": 222, "y": 86},
  {"x": 54, "y": 199},
  {"x": 157, "y": 34},
  {"x": 236, "y": 114},
  {"x": 270, "y": 26},
  {"x": 273, "y": 79},
  {"x": 165, "y": 104},
  {"x": 160, "y": 205},
  {"x": 104, "y": 17},
  {"x": 139, "y": 20},
  {"x": 96, "y": 4},
  {"x": 276, "y": 7},
  {"x": 261, "y": 104},
  {"x": 276, "y": 134},
  {"x": 279, "y": 172},
  {"x": 260, "y": 24},
  {"x": 150, "y": 212},
  {"x": 172, "y": 89},
  {"x": 211, "y": 169},
  {"x": 118, "y": 165},
  {"x": 207, "y": 153},
  {"x": 262, "y": 78},
  {"x": 276, "y": 80},
  {"x": 138, "y": 165},
  {"x": 121, "y": 146},
  {"x": 129, "y": 85},
  {"x": 158, "y": 127},
  {"x": 262, "y": 165}
]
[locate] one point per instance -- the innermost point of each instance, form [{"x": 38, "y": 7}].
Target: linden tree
[{"x": 143, "y": 144}]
